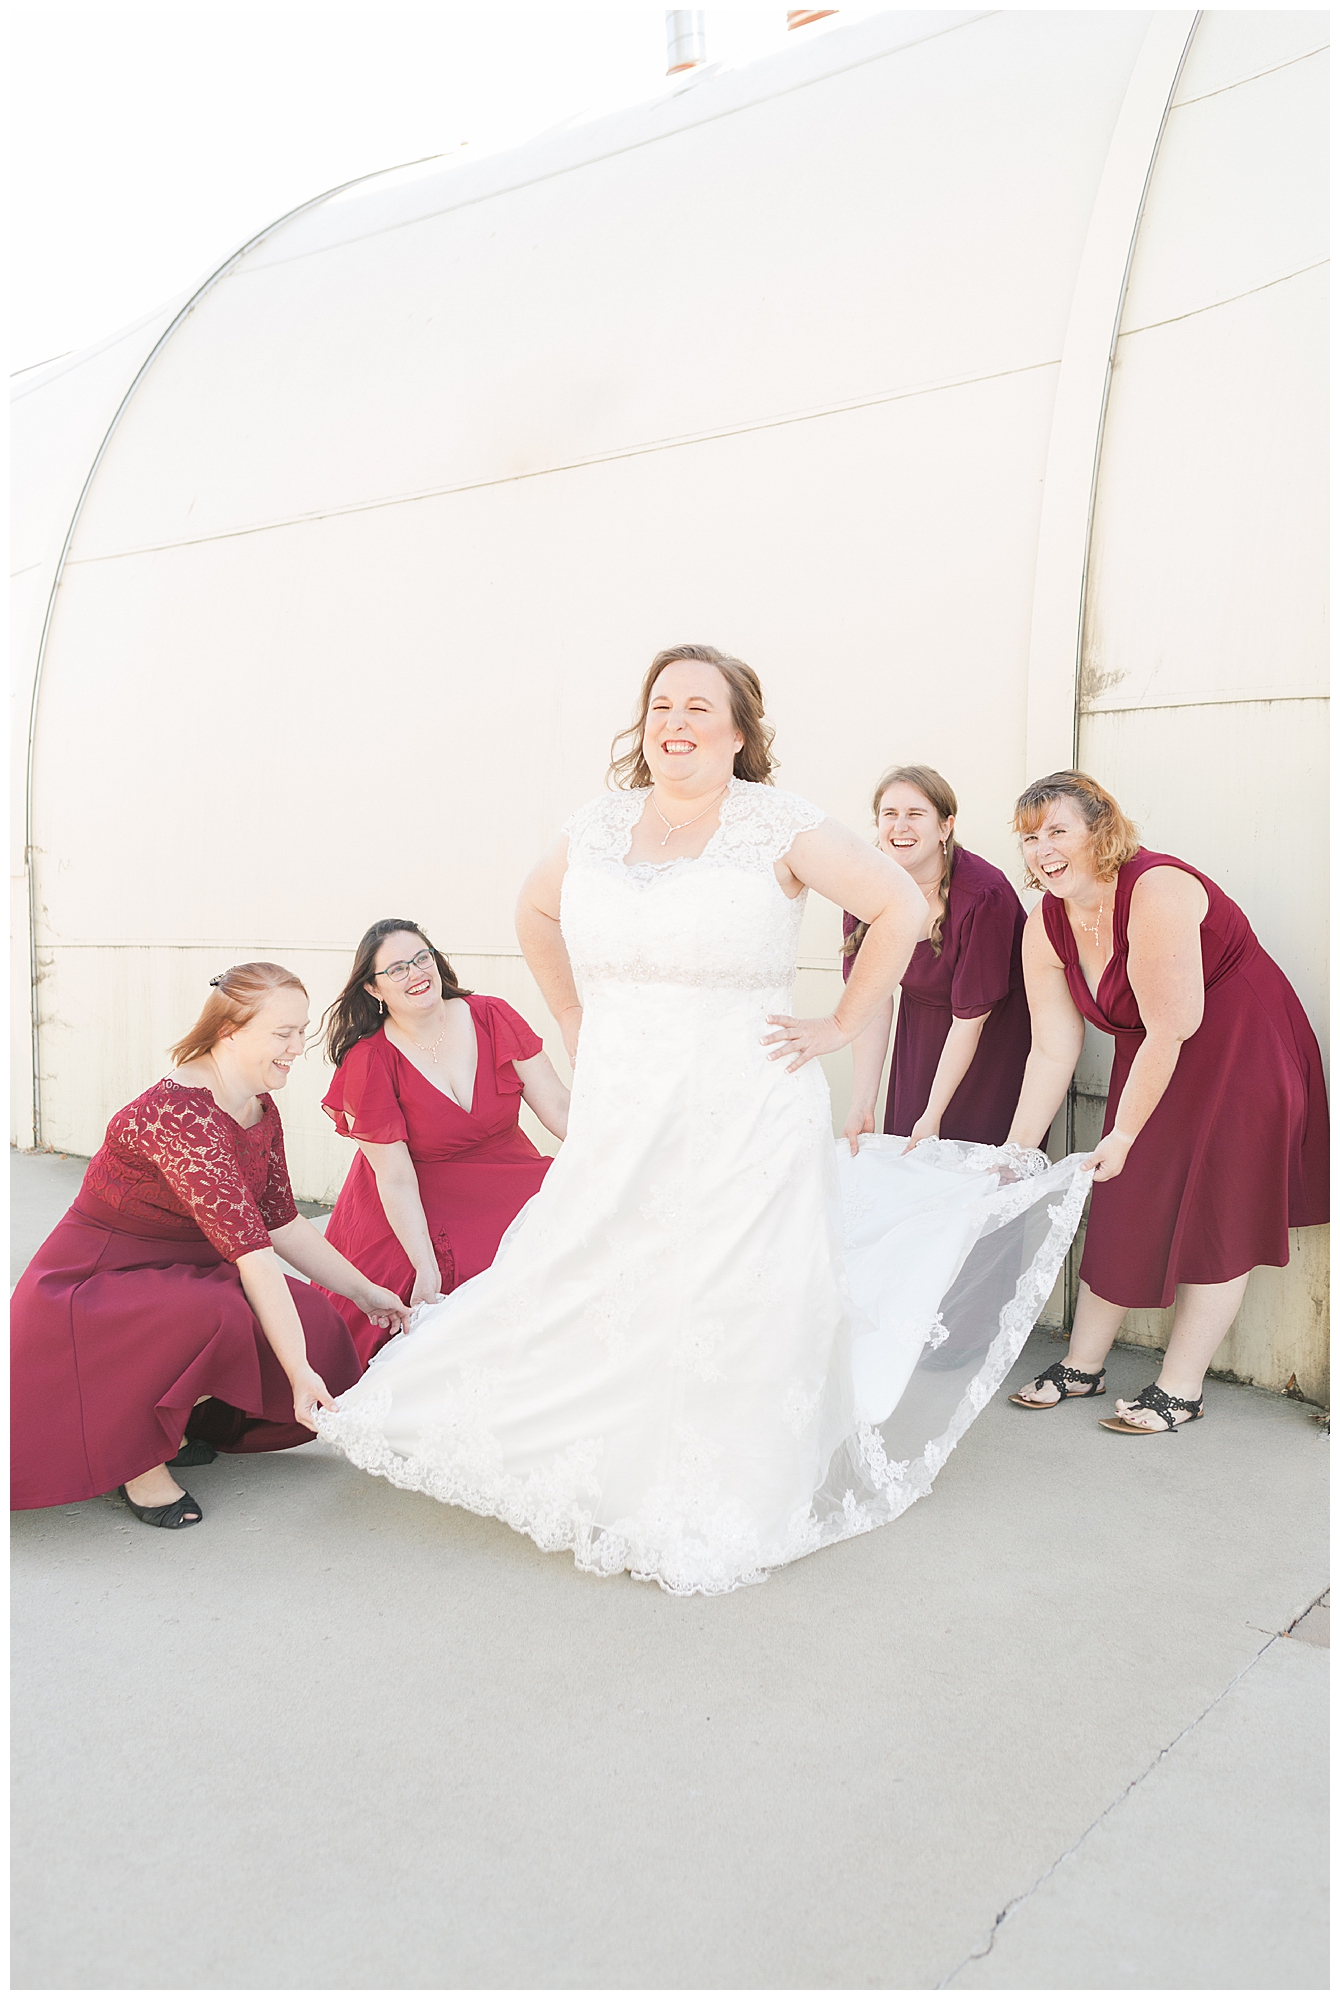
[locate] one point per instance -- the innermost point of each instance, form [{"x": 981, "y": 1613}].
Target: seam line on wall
[
  {"x": 1158, "y": 707},
  {"x": 1256, "y": 74},
  {"x": 621, "y": 152},
  {"x": 1213, "y": 305},
  {"x": 574, "y": 465}
]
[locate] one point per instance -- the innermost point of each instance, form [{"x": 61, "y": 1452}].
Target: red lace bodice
[{"x": 172, "y": 1157}]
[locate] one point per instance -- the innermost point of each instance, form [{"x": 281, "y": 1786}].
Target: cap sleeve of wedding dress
[{"x": 713, "y": 1341}]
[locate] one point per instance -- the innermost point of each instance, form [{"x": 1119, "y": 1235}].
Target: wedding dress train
[{"x": 713, "y": 1341}]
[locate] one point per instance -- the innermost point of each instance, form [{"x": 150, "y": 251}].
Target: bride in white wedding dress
[{"x": 714, "y": 1341}]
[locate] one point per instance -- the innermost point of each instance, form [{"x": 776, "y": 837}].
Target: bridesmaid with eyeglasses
[{"x": 428, "y": 1084}]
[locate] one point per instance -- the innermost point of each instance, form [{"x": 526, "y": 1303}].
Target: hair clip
[{"x": 218, "y": 979}]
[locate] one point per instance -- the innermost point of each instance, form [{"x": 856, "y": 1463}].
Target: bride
[{"x": 714, "y": 1341}]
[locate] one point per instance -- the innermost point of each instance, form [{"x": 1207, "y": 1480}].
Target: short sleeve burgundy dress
[
  {"x": 979, "y": 970},
  {"x": 133, "y": 1308},
  {"x": 476, "y": 1169},
  {"x": 1236, "y": 1151}
]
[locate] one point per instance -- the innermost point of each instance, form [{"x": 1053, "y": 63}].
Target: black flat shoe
[
  {"x": 1161, "y": 1405},
  {"x": 183, "y": 1513},
  {"x": 195, "y": 1452},
  {"x": 1062, "y": 1377}
]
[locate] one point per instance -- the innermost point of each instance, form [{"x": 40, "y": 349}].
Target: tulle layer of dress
[{"x": 712, "y": 1342}]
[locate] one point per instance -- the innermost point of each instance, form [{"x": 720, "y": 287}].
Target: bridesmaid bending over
[
  {"x": 155, "y": 1322},
  {"x": 1214, "y": 1142},
  {"x": 428, "y": 1082},
  {"x": 963, "y": 1032}
]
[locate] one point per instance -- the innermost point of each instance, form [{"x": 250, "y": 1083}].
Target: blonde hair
[
  {"x": 239, "y": 993},
  {"x": 938, "y": 792},
  {"x": 754, "y": 761},
  {"x": 1114, "y": 838}
]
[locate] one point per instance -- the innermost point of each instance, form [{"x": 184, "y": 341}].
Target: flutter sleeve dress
[
  {"x": 133, "y": 1309},
  {"x": 979, "y": 970},
  {"x": 1236, "y": 1151},
  {"x": 476, "y": 1169}
]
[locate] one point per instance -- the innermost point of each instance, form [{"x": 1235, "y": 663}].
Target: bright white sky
[{"x": 150, "y": 140}]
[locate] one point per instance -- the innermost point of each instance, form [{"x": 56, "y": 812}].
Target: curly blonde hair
[
  {"x": 1114, "y": 837},
  {"x": 754, "y": 761}
]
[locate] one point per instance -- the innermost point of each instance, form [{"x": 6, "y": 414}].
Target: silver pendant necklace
[{"x": 669, "y": 828}]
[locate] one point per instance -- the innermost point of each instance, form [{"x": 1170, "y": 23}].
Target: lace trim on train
[{"x": 692, "y": 1539}]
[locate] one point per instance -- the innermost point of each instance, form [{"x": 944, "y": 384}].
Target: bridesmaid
[
  {"x": 428, "y": 1082},
  {"x": 963, "y": 1031},
  {"x": 1214, "y": 1143},
  {"x": 156, "y": 1312}
]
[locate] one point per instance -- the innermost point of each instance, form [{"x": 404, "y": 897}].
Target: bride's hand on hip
[{"x": 803, "y": 1040}]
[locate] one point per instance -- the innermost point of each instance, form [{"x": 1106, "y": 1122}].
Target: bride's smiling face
[{"x": 690, "y": 732}]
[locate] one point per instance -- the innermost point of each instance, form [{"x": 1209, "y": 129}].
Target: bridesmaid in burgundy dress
[
  {"x": 155, "y": 1322},
  {"x": 963, "y": 1030},
  {"x": 428, "y": 1081},
  {"x": 1215, "y": 1139}
]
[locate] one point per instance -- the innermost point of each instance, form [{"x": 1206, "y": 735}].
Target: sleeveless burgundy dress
[
  {"x": 1236, "y": 1151},
  {"x": 133, "y": 1307},
  {"x": 476, "y": 1169},
  {"x": 979, "y": 970}
]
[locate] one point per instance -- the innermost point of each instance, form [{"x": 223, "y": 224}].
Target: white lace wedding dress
[{"x": 713, "y": 1341}]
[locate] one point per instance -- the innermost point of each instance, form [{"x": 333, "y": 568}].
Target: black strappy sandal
[
  {"x": 1162, "y": 1405},
  {"x": 182, "y": 1513},
  {"x": 1060, "y": 1375},
  {"x": 194, "y": 1452}
]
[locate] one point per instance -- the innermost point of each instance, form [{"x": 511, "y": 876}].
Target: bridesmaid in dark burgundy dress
[
  {"x": 963, "y": 1029},
  {"x": 155, "y": 1322},
  {"x": 428, "y": 1082},
  {"x": 1215, "y": 1138}
]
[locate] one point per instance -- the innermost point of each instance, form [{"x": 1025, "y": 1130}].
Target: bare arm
[
  {"x": 307, "y": 1250},
  {"x": 1167, "y": 978},
  {"x": 833, "y": 861},
  {"x": 545, "y": 1093},
  {"x": 541, "y": 939},
  {"x": 867, "y": 1063},
  {"x": 1058, "y": 1037},
  {"x": 268, "y": 1295},
  {"x": 955, "y": 1062},
  {"x": 402, "y": 1205}
]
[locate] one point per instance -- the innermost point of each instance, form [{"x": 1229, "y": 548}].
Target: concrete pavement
[{"x": 1042, "y": 1732}]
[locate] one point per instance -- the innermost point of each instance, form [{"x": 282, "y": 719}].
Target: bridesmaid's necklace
[
  {"x": 431, "y": 1053},
  {"x": 1097, "y": 922},
  {"x": 669, "y": 829}
]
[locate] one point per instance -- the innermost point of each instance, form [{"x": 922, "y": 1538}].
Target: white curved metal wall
[{"x": 375, "y": 558}]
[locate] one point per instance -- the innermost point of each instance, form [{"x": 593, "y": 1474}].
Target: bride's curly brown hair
[{"x": 754, "y": 761}]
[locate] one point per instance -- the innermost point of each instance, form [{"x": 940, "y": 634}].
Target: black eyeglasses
[{"x": 403, "y": 967}]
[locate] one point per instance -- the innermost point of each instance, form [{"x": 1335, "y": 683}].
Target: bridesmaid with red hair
[
  {"x": 155, "y": 1322},
  {"x": 1214, "y": 1142},
  {"x": 963, "y": 1032},
  {"x": 428, "y": 1083}
]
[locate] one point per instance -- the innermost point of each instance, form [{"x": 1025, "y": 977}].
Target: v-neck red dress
[
  {"x": 476, "y": 1169},
  {"x": 1237, "y": 1150}
]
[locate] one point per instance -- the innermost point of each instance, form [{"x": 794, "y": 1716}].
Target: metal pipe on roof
[{"x": 685, "y": 39}]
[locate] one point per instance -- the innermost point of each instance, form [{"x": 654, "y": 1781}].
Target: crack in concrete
[{"x": 1016, "y": 1902}]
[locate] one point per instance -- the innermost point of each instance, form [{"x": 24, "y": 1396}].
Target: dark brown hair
[
  {"x": 938, "y": 792},
  {"x": 754, "y": 761},
  {"x": 1115, "y": 838},
  {"x": 354, "y": 1014},
  {"x": 239, "y": 994}
]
